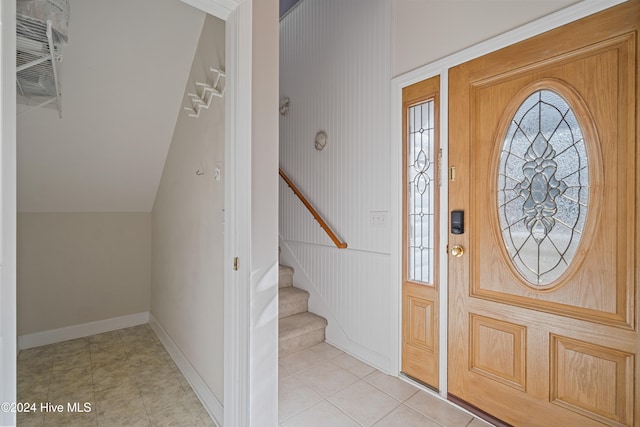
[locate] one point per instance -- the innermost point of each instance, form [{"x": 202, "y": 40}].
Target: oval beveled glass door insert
[{"x": 543, "y": 187}]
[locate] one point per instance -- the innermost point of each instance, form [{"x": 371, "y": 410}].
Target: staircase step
[
  {"x": 292, "y": 301},
  {"x": 299, "y": 332},
  {"x": 285, "y": 278}
]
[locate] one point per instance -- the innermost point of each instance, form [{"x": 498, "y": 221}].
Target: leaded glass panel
[
  {"x": 543, "y": 187},
  {"x": 420, "y": 173}
]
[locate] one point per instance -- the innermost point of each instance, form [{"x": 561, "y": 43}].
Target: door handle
[{"x": 457, "y": 251}]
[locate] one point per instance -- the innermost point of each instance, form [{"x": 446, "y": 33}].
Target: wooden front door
[
  {"x": 421, "y": 103},
  {"x": 543, "y": 319}
]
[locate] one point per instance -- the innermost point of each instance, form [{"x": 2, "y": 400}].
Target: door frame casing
[
  {"x": 8, "y": 334},
  {"x": 251, "y": 226},
  {"x": 441, "y": 67},
  {"x": 244, "y": 226}
]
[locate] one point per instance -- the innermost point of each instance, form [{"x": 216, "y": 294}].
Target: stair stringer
[{"x": 335, "y": 333}]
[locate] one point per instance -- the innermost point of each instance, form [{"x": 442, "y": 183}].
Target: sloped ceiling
[
  {"x": 286, "y": 6},
  {"x": 122, "y": 79}
]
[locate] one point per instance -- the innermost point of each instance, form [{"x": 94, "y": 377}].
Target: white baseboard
[
  {"x": 204, "y": 393},
  {"x": 82, "y": 330}
]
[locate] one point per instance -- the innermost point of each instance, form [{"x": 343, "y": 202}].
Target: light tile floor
[
  {"x": 322, "y": 386},
  {"x": 129, "y": 379},
  {"x": 126, "y": 377}
]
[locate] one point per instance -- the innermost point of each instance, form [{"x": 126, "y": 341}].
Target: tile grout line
[
  {"x": 306, "y": 407},
  {"x": 385, "y": 392},
  {"x": 135, "y": 378},
  {"x": 345, "y": 413},
  {"x": 109, "y": 355},
  {"x": 375, "y": 379},
  {"x": 387, "y": 414},
  {"x": 400, "y": 403},
  {"x": 53, "y": 358},
  {"x": 327, "y": 398},
  {"x": 93, "y": 382}
]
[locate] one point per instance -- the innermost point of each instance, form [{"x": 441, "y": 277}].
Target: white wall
[
  {"x": 335, "y": 65},
  {"x": 8, "y": 208},
  {"x": 76, "y": 268},
  {"x": 426, "y": 30},
  {"x": 187, "y": 285},
  {"x": 121, "y": 78},
  {"x": 263, "y": 347}
]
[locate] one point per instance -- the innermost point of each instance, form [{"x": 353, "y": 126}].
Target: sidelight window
[{"x": 421, "y": 207}]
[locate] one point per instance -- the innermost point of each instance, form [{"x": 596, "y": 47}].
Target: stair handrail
[{"x": 310, "y": 208}]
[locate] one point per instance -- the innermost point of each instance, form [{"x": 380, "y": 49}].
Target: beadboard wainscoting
[
  {"x": 335, "y": 66},
  {"x": 353, "y": 295}
]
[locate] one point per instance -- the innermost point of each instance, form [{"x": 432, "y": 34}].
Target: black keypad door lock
[{"x": 457, "y": 222}]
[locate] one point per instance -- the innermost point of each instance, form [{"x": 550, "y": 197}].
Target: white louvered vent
[{"x": 41, "y": 31}]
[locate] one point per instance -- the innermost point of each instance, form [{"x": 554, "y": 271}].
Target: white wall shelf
[{"x": 40, "y": 34}]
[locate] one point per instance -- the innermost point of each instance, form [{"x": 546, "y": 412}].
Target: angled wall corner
[
  {"x": 188, "y": 228},
  {"x": 219, "y": 8}
]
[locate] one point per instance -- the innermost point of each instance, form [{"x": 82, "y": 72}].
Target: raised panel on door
[
  {"x": 420, "y": 334},
  {"x": 543, "y": 135}
]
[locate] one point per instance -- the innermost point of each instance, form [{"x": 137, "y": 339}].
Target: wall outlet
[{"x": 379, "y": 219}]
